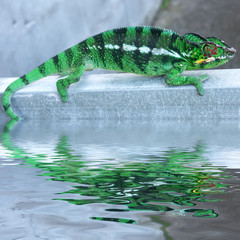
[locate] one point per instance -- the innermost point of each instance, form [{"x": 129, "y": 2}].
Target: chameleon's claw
[
  {"x": 199, "y": 87},
  {"x": 204, "y": 77},
  {"x": 64, "y": 98},
  {"x": 62, "y": 91}
]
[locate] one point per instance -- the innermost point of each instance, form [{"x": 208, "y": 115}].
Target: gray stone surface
[
  {"x": 128, "y": 96},
  {"x": 33, "y": 31}
]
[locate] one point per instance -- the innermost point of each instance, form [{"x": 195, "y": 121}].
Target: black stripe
[
  {"x": 83, "y": 47},
  {"x": 99, "y": 41},
  {"x": 6, "y": 107},
  {"x": 139, "y": 31},
  {"x": 138, "y": 59},
  {"x": 84, "y": 51},
  {"x": 8, "y": 89},
  {"x": 119, "y": 39},
  {"x": 152, "y": 42},
  {"x": 155, "y": 35},
  {"x": 120, "y": 35},
  {"x": 24, "y": 80},
  {"x": 69, "y": 56},
  {"x": 42, "y": 69},
  {"x": 57, "y": 63},
  {"x": 165, "y": 59},
  {"x": 174, "y": 38}
]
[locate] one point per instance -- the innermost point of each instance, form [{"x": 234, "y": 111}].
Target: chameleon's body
[{"x": 141, "y": 50}]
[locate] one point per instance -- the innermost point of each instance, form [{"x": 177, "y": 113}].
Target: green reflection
[{"x": 174, "y": 180}]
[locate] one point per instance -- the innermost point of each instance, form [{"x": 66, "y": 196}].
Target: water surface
[{"x": 115, "y": 180}]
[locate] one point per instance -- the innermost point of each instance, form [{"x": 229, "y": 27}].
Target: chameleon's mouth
[{"x": 231, "y": 52}]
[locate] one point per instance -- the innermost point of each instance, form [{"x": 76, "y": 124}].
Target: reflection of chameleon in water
[
  {"x": 147, "y": 51},
  {"x": 173, "y": 181}
]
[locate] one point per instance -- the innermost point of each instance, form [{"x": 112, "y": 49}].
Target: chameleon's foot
[
  {"x": 203, "y": 77},
  {"x": 64, "y": 98},
  {"x": 62, "y": 91},
  {"x": 63, "y": 84},
  {"x": 185, "y": 80},
  {"x": 199, "y": 87},
  {"x": 198, "y": 84}
]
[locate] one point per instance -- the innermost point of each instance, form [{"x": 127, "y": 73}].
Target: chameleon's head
[{"x": 207, "y": 52}]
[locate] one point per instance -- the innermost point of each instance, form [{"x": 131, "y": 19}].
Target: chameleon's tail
[
  {"x": 46, "y": 69},
  {"x": 6, "y": 98}
]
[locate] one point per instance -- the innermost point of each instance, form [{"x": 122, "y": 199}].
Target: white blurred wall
[{"x": 33, "y": 31}]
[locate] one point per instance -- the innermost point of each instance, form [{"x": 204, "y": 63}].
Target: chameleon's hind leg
[
  {"x": 173, "y": 78},
  {"x": 64, "y": 83}
]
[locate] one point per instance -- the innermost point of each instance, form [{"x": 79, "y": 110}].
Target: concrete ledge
[{"x": 129, "y": 96}]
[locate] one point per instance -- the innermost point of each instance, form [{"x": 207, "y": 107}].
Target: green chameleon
[{"x": 147, "y": 51}]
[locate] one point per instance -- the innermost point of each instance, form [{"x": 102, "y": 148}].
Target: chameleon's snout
[{"x": 231, "y": 51}]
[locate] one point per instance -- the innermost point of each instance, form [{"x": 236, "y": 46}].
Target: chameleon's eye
[{"x": 210, "y": 48}]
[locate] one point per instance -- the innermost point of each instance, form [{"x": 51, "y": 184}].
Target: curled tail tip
[
  {"x": 10, "y": 112},
  {"x": 6, "y": 102},
  {"x": 13, "y": 116},
  {"x": 16, "y": 118}
]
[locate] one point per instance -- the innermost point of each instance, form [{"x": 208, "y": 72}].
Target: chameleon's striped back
[{"x": 139, "y": 50}]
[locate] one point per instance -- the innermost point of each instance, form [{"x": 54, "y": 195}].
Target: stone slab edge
[{"x": 129, "y": 96}]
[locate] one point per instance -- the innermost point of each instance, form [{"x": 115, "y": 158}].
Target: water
[{"x": 96, "y": 180}]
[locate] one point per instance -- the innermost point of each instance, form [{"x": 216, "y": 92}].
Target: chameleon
[{"x": 144, "y": 50}]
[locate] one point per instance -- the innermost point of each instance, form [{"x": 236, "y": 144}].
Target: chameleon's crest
[
  {"x": 194, "y": 38},
  {"x": 217, "y": 41}
]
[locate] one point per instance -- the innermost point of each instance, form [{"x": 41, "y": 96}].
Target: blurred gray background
[{"x": 33, "y": 31}]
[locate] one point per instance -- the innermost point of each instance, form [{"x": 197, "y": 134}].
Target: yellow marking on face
[
  {"x": 210, "y": 59},
  {"x": 200, "y": 61}
]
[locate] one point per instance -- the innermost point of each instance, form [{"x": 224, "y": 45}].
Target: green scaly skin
[{"x": 147, "y": 51}]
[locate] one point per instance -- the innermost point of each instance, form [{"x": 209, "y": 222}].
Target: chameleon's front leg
[
  {"x": 63, "y": 84},
  {"x": 174, "y": 78}
]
